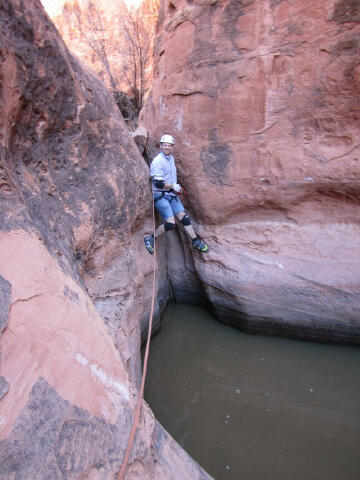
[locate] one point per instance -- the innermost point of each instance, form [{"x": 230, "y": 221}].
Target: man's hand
[{"x": 177, "y": 188}]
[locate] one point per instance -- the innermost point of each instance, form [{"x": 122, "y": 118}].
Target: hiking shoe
[
  {"x": 199, "y": 245},
  {"x": 149, "y": 243}
]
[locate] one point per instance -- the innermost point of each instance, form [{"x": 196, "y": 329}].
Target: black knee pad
[
  {"x": 185, "y": 220},
  {"x": 169, "y": 226}
]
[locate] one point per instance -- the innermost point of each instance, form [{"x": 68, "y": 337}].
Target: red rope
[{"x": 141, "y": 392}]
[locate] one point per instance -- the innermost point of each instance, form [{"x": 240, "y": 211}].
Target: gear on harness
[
  {"x": 149, "y": 243},
  {"x": 166, "y": 194},
  {"x": 199, "y": 245}
]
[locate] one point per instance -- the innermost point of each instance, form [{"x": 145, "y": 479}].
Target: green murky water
[{"x": 255, "y": 408}]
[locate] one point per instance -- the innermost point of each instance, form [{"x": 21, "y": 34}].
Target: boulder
[
  {"x": 140, "y": 136},
  {"x": 263, "y": 100}
]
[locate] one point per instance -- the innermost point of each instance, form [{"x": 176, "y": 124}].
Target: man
[{"x": 167, "y": 203}]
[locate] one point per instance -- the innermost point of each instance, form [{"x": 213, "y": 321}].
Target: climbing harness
[
  {"x": 165, "y": 194},
  {"x": 141, "y": 392},
  {"x": 162, "y": 195}
]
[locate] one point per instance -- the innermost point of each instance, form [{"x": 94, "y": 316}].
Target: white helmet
[{"x": 167, "y": 139}]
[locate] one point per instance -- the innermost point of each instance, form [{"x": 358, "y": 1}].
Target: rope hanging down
[{"x": 141, "y": 392}]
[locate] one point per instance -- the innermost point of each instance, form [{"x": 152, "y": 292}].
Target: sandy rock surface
[
  {"x": 263, "y": 99},
  {"x": 75, "y": 279}
]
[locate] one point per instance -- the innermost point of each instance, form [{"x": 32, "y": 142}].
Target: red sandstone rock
[
  {"x": 74, "y": 275},
  {"x": 263, "y": 100}
]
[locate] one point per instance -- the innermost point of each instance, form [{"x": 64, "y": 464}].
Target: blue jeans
[{"x": 167, "y": 205}]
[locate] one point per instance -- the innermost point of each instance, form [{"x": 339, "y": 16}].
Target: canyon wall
[
  {"x": 75, "y": 279},
  {"x": 262, "y": 97}
]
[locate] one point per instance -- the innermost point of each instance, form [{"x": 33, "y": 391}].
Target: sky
[{"x": 53, "y": 7}]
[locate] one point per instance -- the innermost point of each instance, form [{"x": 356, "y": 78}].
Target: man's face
[{"x": 166, "y": 148}]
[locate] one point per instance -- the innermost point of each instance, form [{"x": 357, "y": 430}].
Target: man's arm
[
  {"x": 160, "y": 183},
  {"x": 168, "y": 186}
]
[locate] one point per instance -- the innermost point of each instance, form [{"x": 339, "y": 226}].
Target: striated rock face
[
  {"x": 75, "y": 281},
  {"x": 263, "y": 99}
]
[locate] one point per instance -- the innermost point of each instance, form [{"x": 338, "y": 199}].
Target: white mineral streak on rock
[
  {"x": 81, "y": 359},
  {"x": 179, "y": 120},
  {"x": 162, "y": 106},
  {"x": 108, "y": 381}
]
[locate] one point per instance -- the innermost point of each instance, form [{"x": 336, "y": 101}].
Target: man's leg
[
  {"x": 187, "y": 224},
  {"x": 196, "y": 242},
  {"x": 168, "y": 225},
  {"x": 162, "y": 205}
]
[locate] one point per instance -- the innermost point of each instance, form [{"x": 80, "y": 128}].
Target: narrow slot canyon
[{"x": 262, "y": 99}]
